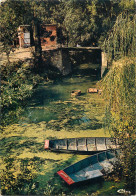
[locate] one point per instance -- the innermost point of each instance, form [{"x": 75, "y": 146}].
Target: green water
[
  {"x": 43, "y": 103},
  {"x": 53, "y": 113}
]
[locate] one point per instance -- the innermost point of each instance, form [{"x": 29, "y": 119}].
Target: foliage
[
  {"x": 18, "y": 178},
  {"x": 127, "y": 5},
  {"x": 75, "y": 22},
  {"x": 87, "y": 22},
  {"x": 119, "y": 91},
  {"x": 7, "y": 32},
  {"x": 83, "y": 22},
  {"x": 121, "y": 40},
  {"x": 18, "y": 83},
  {"x": 11, "y": 16}
]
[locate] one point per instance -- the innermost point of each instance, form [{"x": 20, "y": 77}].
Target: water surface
[{"x": 43, "y": 103}]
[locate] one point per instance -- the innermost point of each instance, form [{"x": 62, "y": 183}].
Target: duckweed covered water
[
  {"x": 49, "y": 100},
  {"x": 53, "y": 113}
]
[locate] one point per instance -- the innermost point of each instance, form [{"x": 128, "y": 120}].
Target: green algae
[
  {"x": 26, "y": 141},
  {"x": 58, "y": 116}
]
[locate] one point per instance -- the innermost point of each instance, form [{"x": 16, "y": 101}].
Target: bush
[
  {"x": 18, "y": 177},
  {"x": 17, "y": 84}
]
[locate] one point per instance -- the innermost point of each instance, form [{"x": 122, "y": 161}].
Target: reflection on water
[{"x": 43, "y": 103}]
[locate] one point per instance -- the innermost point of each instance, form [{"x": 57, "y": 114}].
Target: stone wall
[
  {"x": 66, "y": 62},
  {"x": 61, "y": 59},
  {"x": 58, "y": 58}
]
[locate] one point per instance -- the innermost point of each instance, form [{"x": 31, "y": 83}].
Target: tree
[
  {"x": 88, "y": 22},
  {"x": 119, "y": 92},
  {"x": 8, "y": 27},
  {"x": 119, "y": 89},
  {"x": 11, "y": 16},
  {"x": 85, "y": 22},
  {"x": 122, "y": 40}
]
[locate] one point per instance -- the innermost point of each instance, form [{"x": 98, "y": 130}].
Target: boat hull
[
  {"x": 90, "y": 168},
  {"x": 81, "y": 145}
]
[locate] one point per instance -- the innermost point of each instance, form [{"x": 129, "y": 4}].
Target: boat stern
[{"x": 65, "y": 177}]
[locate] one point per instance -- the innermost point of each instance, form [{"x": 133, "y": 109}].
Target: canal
[
  {"x": 53, "y": 113},
  {"x": 49, "y": 100}
]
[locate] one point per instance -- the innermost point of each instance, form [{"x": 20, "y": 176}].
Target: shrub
[
  {"x": 18, "y": 177},
  {"x": 17, "y": 84}
]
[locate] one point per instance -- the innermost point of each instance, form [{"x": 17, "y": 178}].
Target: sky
[{"x": 1, "y": 0}]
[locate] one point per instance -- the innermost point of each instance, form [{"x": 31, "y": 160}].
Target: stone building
[
  {"x": 48, "y": 35},
  {"x": 24, "y": 35}
]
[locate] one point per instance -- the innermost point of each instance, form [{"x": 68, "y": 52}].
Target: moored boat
[
  {"x": 75, "y": 93},
  {"x": 90, "y": 168},
  {"x": 84, "y": 144},
  {"x": 92, "y": 90}
]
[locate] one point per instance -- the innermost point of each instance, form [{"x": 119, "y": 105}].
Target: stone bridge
[{"x": 61, "y": 58}]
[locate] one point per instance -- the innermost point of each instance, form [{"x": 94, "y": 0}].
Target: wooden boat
[
  {"x": 90, "y": 168},
  {"x": 84, "y": 144},
  {"x": 75, "y": 93},
  {"x": 92, "y": 90}
]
